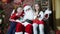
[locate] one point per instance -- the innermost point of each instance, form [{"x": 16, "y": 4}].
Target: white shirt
[{"x": 41, "y": 15}]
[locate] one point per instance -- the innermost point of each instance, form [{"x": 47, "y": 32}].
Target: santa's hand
[{"x": 12, "y": 20}]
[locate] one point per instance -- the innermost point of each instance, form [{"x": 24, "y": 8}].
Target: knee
[
  {"x": 41, "y": 26},
  {"x": 35, "y": 25},
  {"x": 19, "y": 24},
  {"x": 19, "y": 27},
  {"x": 29, "y": 28}
]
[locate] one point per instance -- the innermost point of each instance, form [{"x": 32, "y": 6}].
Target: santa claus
[{"x": 28, "y": 17}]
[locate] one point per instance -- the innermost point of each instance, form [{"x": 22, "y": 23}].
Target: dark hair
[
  {"x": 40, "y": 8},
  {"x": 17, "y": 8}
]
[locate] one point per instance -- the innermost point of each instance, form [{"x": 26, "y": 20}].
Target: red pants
[
  {"x": 29, "y": 29},
  {"x": 19, "y": 27}
]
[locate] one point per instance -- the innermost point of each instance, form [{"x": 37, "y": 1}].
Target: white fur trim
[
  {"x": 13, "y": 12},
  {"x": 26, "y": 7},
  {"x": 18, "y": 32},
  {"x": 18, "y": 21},
  {"x": 26, "y": 33},
  {"x": 25, "y": 23}
]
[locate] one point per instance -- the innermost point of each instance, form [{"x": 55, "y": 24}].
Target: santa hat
[{"x": 26, "y": 7}]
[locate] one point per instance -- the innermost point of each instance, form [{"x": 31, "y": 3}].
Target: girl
[
  {"x": 15, "y": 18},
  {"x": 38, "y": 20}
]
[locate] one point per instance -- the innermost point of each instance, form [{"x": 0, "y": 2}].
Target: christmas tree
[{"x": 2, "y": 25}]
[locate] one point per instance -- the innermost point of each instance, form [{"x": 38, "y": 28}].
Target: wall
[
  {"x": 57, "y": 5},
  {"x": 56, "y": 10}
]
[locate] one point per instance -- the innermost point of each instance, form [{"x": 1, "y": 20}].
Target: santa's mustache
[{"x": 29, "y": 10}]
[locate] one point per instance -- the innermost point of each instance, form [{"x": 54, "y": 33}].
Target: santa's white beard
[{"x": 29, "y": 15}]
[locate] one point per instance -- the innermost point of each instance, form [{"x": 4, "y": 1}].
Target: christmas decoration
[
  {"x": 5, "y": 1},
  {"x": 3, "y": 26}
]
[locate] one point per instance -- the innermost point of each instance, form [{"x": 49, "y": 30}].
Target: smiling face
[
  {"x": 19, "y": 10},
  {"x": 36, "y": 7}
]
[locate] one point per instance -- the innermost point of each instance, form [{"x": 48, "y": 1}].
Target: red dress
[
  {"x": 38, "y": 21},
  {"x": 40, "y": 18}
]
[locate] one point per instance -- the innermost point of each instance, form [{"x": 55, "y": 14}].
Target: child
[
  {"x": 19, "y": 26},
  {"x": 38, "y": 20},
  {"x": 14, "y": 18}
]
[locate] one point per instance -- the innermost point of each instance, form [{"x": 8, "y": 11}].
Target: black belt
[{"x": 29, "y": 21}]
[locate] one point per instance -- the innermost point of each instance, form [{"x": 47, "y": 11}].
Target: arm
[
  {"x": 41, "y": 16},
  {"x": 14, "y": 18},
  {"x": 13, "y": 12}
]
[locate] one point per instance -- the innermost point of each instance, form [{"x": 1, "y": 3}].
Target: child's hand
[
  {"x": 17, "y": 20},
  {"x": 11, "y": 20}
]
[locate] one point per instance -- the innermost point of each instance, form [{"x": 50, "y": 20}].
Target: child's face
[
  {"x": 19, "y": 10},
  {"x": 36, "y": 7}
]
